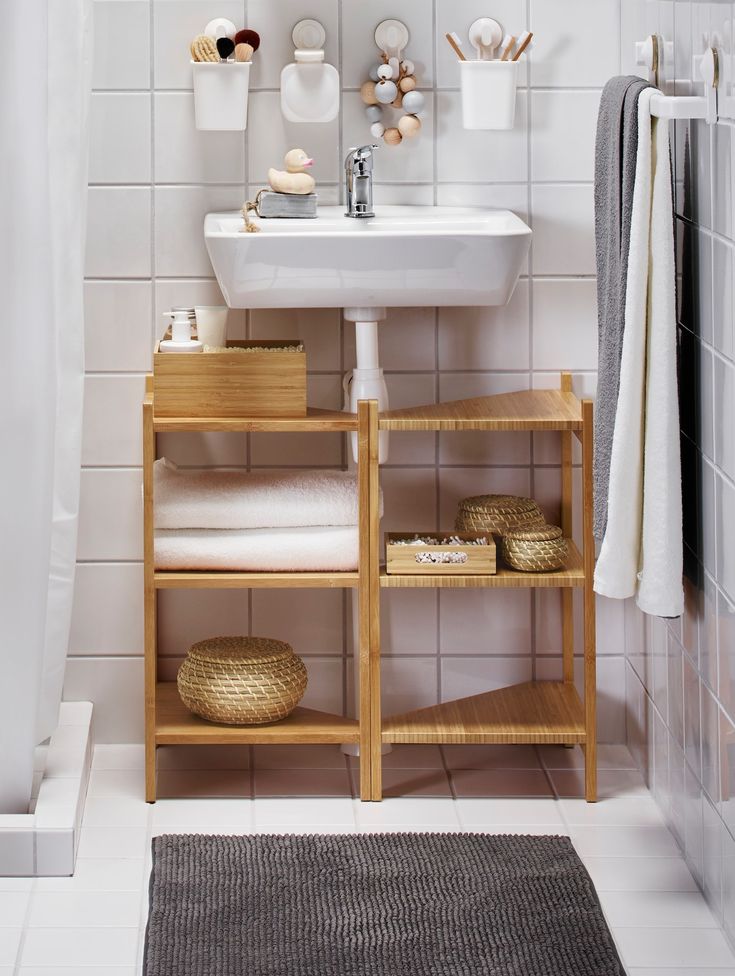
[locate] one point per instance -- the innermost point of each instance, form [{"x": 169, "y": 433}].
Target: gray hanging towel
[{"x": 615, "y": 161}]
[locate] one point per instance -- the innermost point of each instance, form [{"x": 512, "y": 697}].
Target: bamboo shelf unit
[{"x": 549, "y": 712}]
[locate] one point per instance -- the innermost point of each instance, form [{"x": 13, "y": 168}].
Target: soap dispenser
[{"x": 309, "y": 87}]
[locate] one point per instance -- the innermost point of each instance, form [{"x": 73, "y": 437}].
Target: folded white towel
[
  {"x": 642, "y": 551},
  {"x": 216, "y": 499},
  {"x": 312, "y": 549}
]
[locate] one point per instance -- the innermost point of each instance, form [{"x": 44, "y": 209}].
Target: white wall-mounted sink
[{"x": 403, "y": 256}]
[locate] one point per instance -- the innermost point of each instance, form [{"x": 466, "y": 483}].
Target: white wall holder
[
  {"x": 309, "y": 87},
  {"x": 650, "y": 53},
  {"x": 488, "y": 84},
  {"x": 221, "y": 91}
]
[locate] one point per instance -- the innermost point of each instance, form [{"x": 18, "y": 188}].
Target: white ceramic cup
[{"x": 211, "y": 324}]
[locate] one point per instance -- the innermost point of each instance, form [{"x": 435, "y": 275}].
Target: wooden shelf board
[
  {"x": 571, "y": 576},
  {"x": 176, "y": 725},
  {"x": 524, "y": 410},
  {"x": 316, "y": 420},
  {"x": 532, "y": 712},
  {"x": 202, "y": 580}
]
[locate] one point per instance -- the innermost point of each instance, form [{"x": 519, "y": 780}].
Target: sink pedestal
[{"x": 366, "y": 381}]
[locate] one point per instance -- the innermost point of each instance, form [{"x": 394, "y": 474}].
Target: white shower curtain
[{"x": 45, "y": 78}]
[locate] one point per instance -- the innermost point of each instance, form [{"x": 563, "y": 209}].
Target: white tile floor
[{"x": 93, "y": 924}]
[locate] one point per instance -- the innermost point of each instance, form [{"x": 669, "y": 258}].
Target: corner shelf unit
[{"x": 548, "y": 712}]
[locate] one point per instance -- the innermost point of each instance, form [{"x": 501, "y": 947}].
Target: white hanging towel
[{"x": 642, "y": 551}]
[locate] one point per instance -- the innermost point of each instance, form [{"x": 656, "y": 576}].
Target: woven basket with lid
[
  {"x": 536, "y": 549},
  {"x": 242, "y": 680},
  {"x": 497, "y": 513}
]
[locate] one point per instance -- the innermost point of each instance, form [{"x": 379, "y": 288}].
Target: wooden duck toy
[{"x": 293, "y": 179}]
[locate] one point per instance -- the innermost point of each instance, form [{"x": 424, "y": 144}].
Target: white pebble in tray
[{"x": 441, "y": 557}]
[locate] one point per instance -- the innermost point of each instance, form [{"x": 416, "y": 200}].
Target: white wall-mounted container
[
  {"x": 221, "y": 95},
  {"x": 488, "y": 94},
  {"x": 309, "y": 86}
]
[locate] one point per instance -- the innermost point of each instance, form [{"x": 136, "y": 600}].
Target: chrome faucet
[{"x": 359, "y": 182}]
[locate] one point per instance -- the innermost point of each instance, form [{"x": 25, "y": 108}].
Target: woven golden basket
[
  {"x": 242, "y": 680},
  {"x": 497, "y": 513},
  {"x": 535, "y": 550}
]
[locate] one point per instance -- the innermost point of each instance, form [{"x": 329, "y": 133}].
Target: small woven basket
[
  {"x": 535, "y": 550},
  {"x": 497, "y": 513},
  {"x": 242, "y": 680}
]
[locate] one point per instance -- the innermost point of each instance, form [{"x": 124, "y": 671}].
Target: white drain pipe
[{"x": 365, "y": 382}]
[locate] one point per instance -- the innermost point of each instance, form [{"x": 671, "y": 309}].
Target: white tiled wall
[
  {"x": 680, "y": 673},
  {"x": 154, "y": 177}
]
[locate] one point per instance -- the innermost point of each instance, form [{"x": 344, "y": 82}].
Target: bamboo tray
[
  {"x": 260, "y": 383},
  {"x": 402, "y": 559}
]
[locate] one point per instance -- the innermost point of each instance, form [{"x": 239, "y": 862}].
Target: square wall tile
[
  {"x": 486, "y": 338},
  {"x": 458, "y": 483},
  {"x": 318, "y": 328},
  {"x": 120, "y": 137},
  {"x": 359, "y": 52},
  {"x": 478, "y": 447},
  {"x": 724, "y": 376},
  {"x": 115, "y": 685},
  {"x": 183, "y": 154},
  {"x": 175, "y": 24},
  {"x": 465, "y": 676},
  {"x": 725, "y": 530},
  {"x": 412, "y": 390},
  {"x": 118, "y": 232},
  {"x": 464, "y": 155},
  {"x": 485, "y": 621},
  {"x": 563, "y": 135},
  {"x": 312, "y": 450},
  {"x": 107, "y": 616},
  {"x": 189, "y": 616},
  {"x": 274, "y": 22},
  {"x": 276, "y": 136},
  {"x": 113, "y": 309},
  {"x": 563, "y": 230},
  {"x": 562, "y": 55},
  {"x": 408, "y": 621},
  {"x": 409, "y": 498},
  {"x": 723, "y": 296},
  {"x": 180, "y": 211},
  {"x": 312, "y": 621},
  {"x": 408, "y": 683},
  {"x": 565, "y": 324},
  {"x": 110, "y": 515},
  {"x": 410, "y": 162},
  {"x": 325, "y": 689},
  {"x": 122, "y": 50},
  {"x": 112, "y": 432}
]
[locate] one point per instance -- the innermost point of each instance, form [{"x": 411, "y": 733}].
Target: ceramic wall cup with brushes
[{"x": 221, "y": 60}]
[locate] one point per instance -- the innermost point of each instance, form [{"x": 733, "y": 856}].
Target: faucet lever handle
[{"x": 358, "y": 154}]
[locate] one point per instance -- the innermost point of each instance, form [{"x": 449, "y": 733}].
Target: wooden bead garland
[{"x": 392, "y": 83}]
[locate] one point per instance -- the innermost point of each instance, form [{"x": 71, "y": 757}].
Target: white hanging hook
[
  {"x": 391, "y": 37},
  {"x": 485, "y": 36}
]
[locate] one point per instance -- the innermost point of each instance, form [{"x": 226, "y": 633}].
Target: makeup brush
[
  {"x": 225, "y": 47},
  {"x": 247, "y": 36},
  {"x": 454, "y": 43},
  {"x": 507, "y": 46},
  {"x": 243, "y": 52},
  {"x": 525, "y": 40}
]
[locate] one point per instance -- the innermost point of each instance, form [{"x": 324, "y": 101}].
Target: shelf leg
[
  {"x": 567, "y": 506},
  {"x": 150, "y": 625},
  {"x": 376, "y": 718},
  {"x": 590, "y": 669},
  {"x": 369, "y": 595}
]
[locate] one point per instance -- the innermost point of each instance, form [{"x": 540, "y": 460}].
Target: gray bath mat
[{"x": 374, "y": 905}]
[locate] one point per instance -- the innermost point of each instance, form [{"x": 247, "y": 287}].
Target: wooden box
[
  {"x": 267, "y": 382},
  {"x": 402, "y": 559}
]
